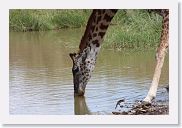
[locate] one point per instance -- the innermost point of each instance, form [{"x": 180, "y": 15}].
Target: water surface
[{"x": 41, "y": 78}]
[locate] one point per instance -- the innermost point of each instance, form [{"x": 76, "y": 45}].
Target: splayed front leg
[
  {"x": 153, "y": 89},
  {"x": 160, "y": 55}
]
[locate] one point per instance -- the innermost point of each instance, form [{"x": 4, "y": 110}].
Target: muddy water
[{"x": 41, "y": 80}]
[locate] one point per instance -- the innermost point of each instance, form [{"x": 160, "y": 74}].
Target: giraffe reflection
[{"x": 80, "y": 106}]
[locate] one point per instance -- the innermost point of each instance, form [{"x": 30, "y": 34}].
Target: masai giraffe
[{"x": 84, "y": 61}]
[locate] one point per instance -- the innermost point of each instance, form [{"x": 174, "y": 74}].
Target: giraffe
[{"x": 85, "y": 59}]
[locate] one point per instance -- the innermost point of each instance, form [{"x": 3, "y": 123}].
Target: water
[{"x": 41, "y": 78}]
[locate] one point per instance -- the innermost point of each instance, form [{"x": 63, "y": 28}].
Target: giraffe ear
[{"x": 72, "y": 55}]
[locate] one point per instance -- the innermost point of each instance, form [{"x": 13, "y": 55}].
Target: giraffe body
[{"x": 84, "y": 61}]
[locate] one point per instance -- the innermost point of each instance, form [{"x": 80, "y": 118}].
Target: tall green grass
[
  {"x": 38, "y": 20},
  {"x": 129, "y": 29},
  {"x": 134, "y": 29}
]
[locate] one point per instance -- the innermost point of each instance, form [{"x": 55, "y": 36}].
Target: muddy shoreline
[
  {"x": 157, "y": 107},
  {"x": 146, "y": 109}
]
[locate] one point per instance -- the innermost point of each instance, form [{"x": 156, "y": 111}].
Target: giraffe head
[
  {"x": 84, "y": 61},
  {"x": 81, "y": 70}
]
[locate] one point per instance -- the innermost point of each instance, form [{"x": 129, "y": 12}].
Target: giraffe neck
[
  {"x": 85, "y": 59},
  {"x": 96, "y": 28}
]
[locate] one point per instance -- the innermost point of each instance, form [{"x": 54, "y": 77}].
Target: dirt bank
[
  {"x": 146, "y": 109},
  {"x": 157, "y": 107}
]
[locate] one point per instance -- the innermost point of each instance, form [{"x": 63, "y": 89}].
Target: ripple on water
[{"x": 41, "y": 78}]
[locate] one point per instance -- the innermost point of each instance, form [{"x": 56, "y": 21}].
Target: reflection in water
[
  {"x": 80, "y": 106},
  {"x": 41, "y": 79}
]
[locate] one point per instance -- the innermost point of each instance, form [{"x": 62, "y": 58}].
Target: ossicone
[{"x": 72, "y": 55}]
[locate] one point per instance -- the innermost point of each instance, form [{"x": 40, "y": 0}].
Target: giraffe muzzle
[{"x": 79, "y": 92}]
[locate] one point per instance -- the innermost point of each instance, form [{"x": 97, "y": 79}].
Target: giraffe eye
[{"x": 75, "y": 70}]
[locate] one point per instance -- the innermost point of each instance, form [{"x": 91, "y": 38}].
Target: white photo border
[{"x": 173, "y": 116}]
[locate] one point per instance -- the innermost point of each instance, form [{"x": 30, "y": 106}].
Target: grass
[
  {"x": 130, "y": 29},
  {"x": 41, "y": 20},
  {"x": 138, "y": 29}
]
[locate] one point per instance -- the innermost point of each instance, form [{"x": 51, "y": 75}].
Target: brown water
[{"x": 41, "y": 78}]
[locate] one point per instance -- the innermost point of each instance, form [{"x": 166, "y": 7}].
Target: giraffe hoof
[
  {"x": 149, "y": 98},
  {"x": 146, "y": 103}
]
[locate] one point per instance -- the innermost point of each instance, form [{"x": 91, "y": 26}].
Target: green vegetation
[
  {"x": 129, "y": 29},
  {"x": 137, "y": 29},
  {"x": 38, "y": 20}
]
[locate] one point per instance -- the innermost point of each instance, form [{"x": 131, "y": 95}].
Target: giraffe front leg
[{"x": 160, "y": 55}]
